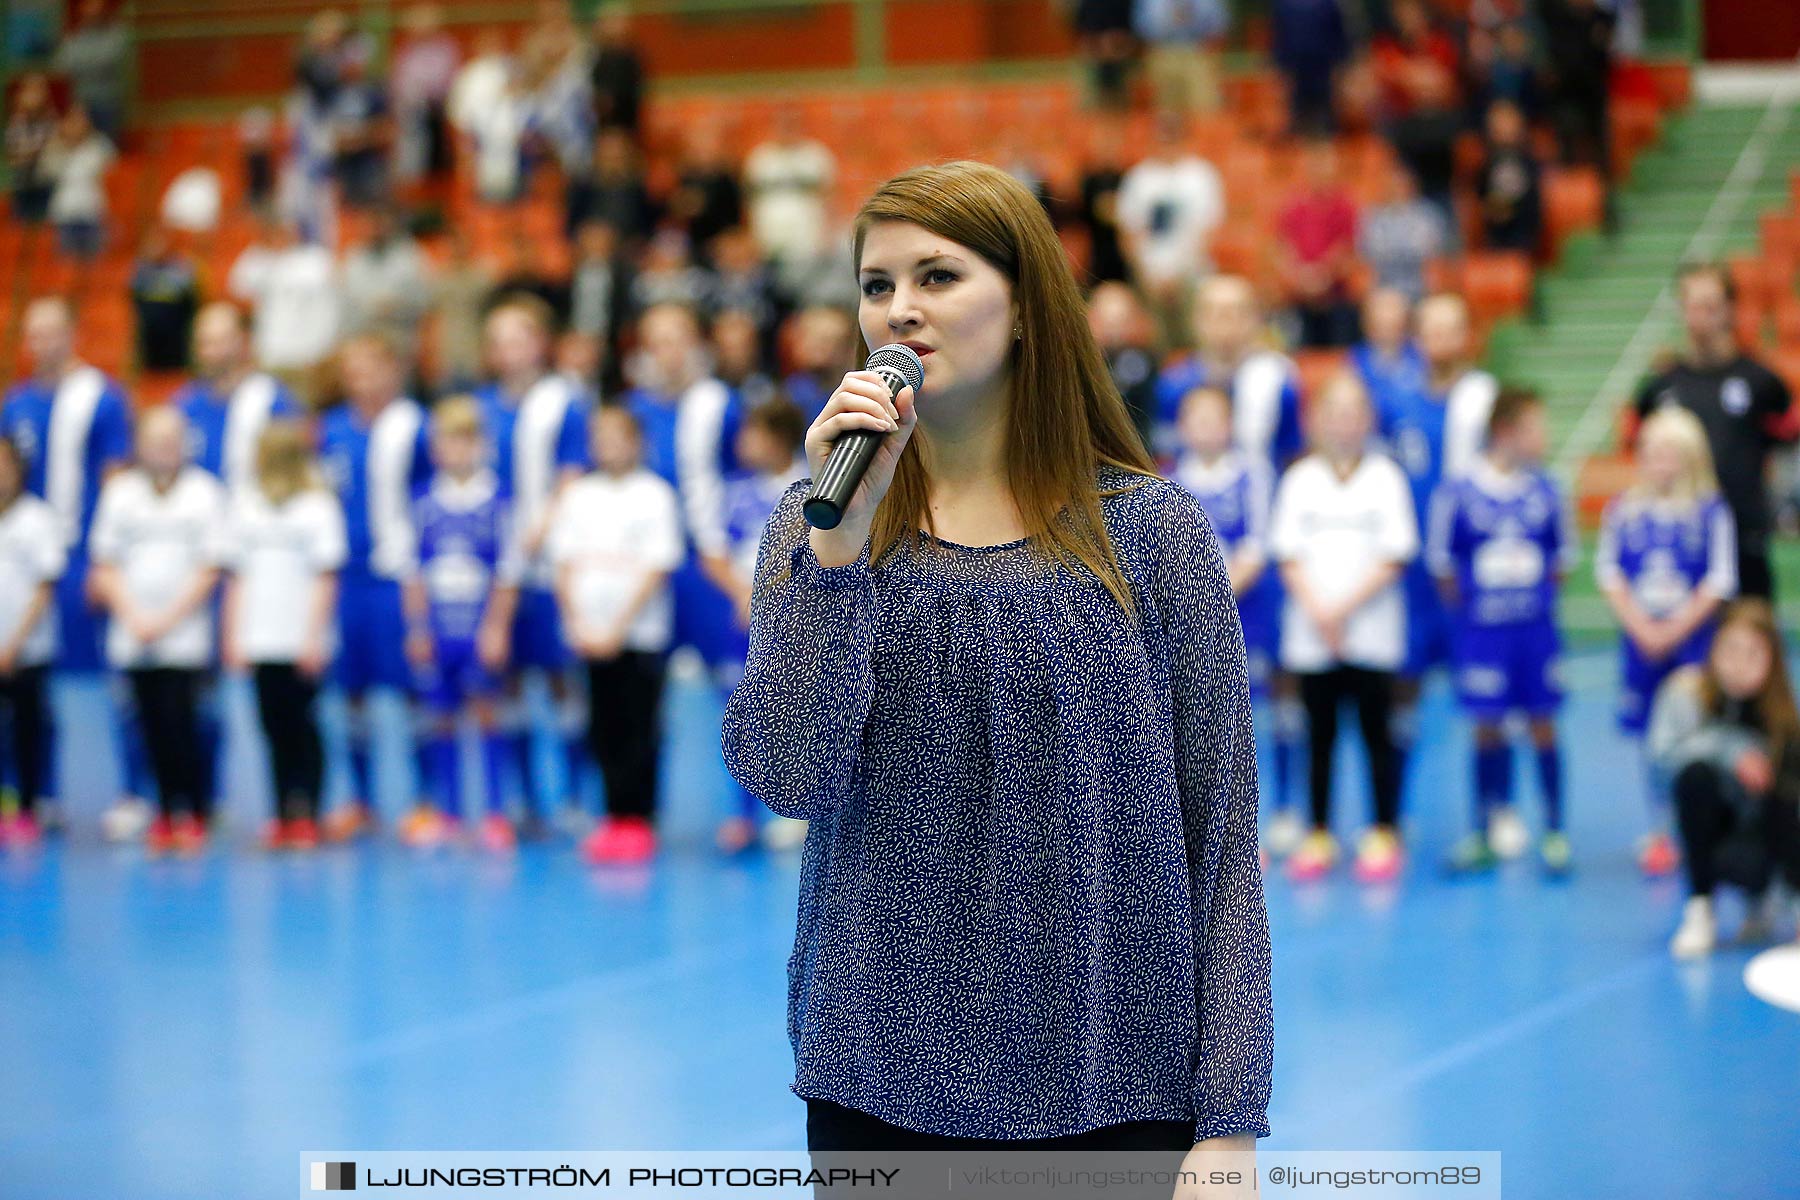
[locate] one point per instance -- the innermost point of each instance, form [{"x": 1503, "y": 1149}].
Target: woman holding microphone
[{"x": 1008, "y": 690}]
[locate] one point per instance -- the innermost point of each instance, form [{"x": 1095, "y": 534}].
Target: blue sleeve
[
  {"x": 1288, "y": 443},
  {"x": 285, "y": 405},
  {"x": 572, "y": 442},
  {"x": 109, "y": 442}
]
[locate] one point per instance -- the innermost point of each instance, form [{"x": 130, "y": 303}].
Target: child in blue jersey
[
  {"x": 535, "y": 425},
  {"x": 1388, "y": 359},
  {"x": 1435, "y": 433},
  {"x": 72, "y": 426},
  {"x": 1500, "y": 542},
  {"x": 770, "y": 445},
  {"x": 1236, "y": 491},
  {"x": 1264, "y": 385},
  {"x": 1666, "y": 561},
  {"x": 461, "y": 592},
  {"x": 374, "y": 453}
]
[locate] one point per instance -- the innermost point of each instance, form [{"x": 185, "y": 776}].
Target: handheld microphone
[{"x": 900, "y": 368}]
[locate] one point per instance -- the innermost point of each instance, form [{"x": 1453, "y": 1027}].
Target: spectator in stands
[
  {"x": 1399, "y": 236},
  {"x": 1181, "y": 51},
  {"x": 1507, "y": 70},
  {"x": 30, "y": 128},
  {"x": 741, "y": 282},
  {"x": 707, "y": 200},
  {"x": 256, "y": 150},
  {"x": 386, "y": 283},
  {"x": 613, "y": 191},
  {"x": 824, "y": 345},
  {"x": 737, "y": 359},
  {"x": 617, "y": 75},
  {"x": 1316, "y": 251},
  {"x": 95, "y": 55},
  {"x": 1578, "y": 69},
  {"x": 1103, "y": 30},
  {"x": 669, "y": 275},
  {"x": 361, "y": 133},
  {"x": 458, "y": 299},
  {"x": 318, "y": 67},
  {"x": 1414, "y": 62},
  {"x": 1509, "y": 187},
  {"x": 77, "y": 160},
  {"x": 425, "y": 67},
  {"x": 600, "y": 288},
  {"x": 165, "y": 292},
  {"x": 487, "y": 108},
  {"x": 292, "y": 288},
  {"x": 559, "y": 107},
  {"x": 1100, "y": 202},
  {"x": 1745, "y": 408},
  {"x": 1168, "y": 206},
  {"x": 1123, "y": 330},
  {"x": 1425, "y": 140},
  {"x": 787, "y": 178},
  {"x": 1310, "y": 43}
]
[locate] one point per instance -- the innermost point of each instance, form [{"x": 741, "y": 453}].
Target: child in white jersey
[
  {"x": 287, "y": 544},
  {"x": 32, "y": 558},
  {"x": 615, "y": 539},
  {"x": 158, "y": 540}
]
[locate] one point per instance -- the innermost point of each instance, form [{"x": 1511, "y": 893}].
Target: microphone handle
[{"x": 844, "y": 467}]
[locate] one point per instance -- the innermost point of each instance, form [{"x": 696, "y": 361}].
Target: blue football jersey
[
  {"x": 378, "y": 468},
  {"x": 1505, "y": 538},
  {"x": 69, "y": 434},
  {"x": 464, "y": 550}
]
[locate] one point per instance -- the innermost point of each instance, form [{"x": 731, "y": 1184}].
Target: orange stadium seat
[
  {"x": 1573, "y": 199},
  {"x": 1496, "y": 284}
]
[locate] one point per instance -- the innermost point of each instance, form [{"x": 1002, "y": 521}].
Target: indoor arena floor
[{"x": 178, "y": 1029}]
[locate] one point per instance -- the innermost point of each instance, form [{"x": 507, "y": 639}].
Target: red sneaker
[
  {"x": 161, "y": 838},
  {"x": 1659, "y": 857},
  {"x": 303, "y": 834},
  {"x": 188, "y": 834},
  {"x": 497, "y": 834},
  {"x": 348, "y": 821},
  {"x": 622, "y": 840},
  {"x": 20, "y": 831},
  {"x": 276, "y": 836}
]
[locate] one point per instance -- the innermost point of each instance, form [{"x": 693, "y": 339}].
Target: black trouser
[
  {"x": 1323, "y": 692},
  {"x": 625, "y": 728},
  {"x": 24, "y": 710},
  {"x": 1754, "y": 576},
  {"x": 284, "y": 701},
  {"x": 1729, "y": 836},
  {"x": 168, "y": 701}
]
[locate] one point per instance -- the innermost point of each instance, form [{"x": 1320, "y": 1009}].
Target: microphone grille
[{"x": 902, "y": 360}]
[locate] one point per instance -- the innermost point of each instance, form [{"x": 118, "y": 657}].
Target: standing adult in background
[
  {"x": 30, "y": 126},
  {"x": 1103, "y": 28},
  {"x": 1181, "y": 51},
  {"x": 617, "y": 74},
  {"x": 1578, "y": 37},
  {"x": 1168, "y": 206},
  {"x": 72, "y": 425},
  {"x": 1007, "y": 653},
  {"x": 1745, "y": 408},
  {"x": 425, "y": 67},
  {"x": 786, "y": 179},
  {"x": 1310, "y": 44},
  {"x": 290, "y": 286},
  {"x": 1316, "y": 251},
  {"x": 385, "y": 283},
  {"x": 1122, "y": 330},
  {"x": 96, "y": 57},
  {"x": 1099, "y": 204}
]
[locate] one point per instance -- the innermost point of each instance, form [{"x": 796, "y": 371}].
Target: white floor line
[{"x": 1598, "y": 419}]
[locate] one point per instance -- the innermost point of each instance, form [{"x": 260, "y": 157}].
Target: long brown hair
[
  {"x": 1774, "y": 703},
  {"x": 1064, "y": 416}
]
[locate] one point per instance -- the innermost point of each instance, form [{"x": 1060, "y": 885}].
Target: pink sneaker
[
  {"x": 1659, "y": 856},
  {"x": 497, "y": 834},
  {"x": 1314, "y": 859},
  {"x": 1378, "y": 856},
  {"x": 624, "y": 840},
  {"x": 20, "y": 831}
]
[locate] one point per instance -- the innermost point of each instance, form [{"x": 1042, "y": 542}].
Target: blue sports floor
[{"x": 183, "y": 1029}]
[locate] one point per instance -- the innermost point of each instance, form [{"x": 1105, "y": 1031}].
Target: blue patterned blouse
[{"x": 1030, "y": 903}]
